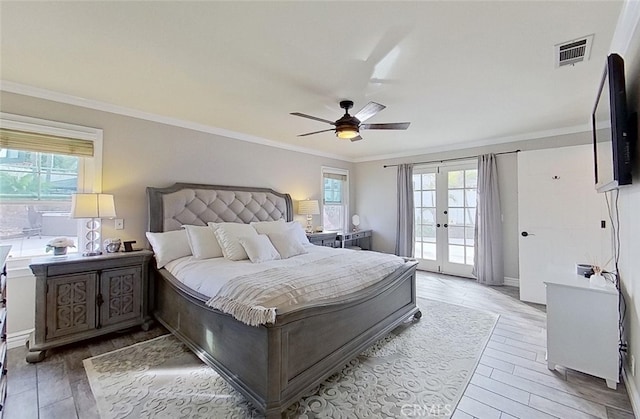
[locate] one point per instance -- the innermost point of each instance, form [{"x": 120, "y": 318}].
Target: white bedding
[
  {"x": 319, "y": 275},
  {"x": 207, "y": 276}
]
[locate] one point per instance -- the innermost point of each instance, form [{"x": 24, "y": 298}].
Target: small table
[
  {"x": 360, "y": 238},
  {"x": 325, "y": 238}
]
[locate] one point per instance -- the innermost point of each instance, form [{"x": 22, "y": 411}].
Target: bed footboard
[{"x": 275, "y": 365}]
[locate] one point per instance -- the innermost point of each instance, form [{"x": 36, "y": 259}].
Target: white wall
[
  {"x": 629, "y": 201},
  {"x": 139, "y": 153},
  {"x": 375, "y": 192}
]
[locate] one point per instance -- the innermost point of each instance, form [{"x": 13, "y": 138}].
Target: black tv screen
[{"x": 610, "y": 122}]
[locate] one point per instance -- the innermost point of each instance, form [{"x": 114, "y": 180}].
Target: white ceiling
[{"x": 463, "y": 73}]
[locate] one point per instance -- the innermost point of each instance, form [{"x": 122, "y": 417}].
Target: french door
[{"x": 444, "y": 198}]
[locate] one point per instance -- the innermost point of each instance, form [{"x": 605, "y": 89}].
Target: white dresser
[{"x": 582, "y": 328}]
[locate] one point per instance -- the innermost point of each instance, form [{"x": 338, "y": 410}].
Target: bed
[{"x": 272, "y": 365}]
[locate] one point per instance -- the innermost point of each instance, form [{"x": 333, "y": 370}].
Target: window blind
[
  {"x": 335, "y": 176},
  {"x": 44, "y": 143}
]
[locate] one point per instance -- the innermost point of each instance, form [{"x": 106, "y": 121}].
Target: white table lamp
[
  {"x": 355, "y": 220},
  {"x": 94, "y": 206},
  {"x": 310, "y": 207}
]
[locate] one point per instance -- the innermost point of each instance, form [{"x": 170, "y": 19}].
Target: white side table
[{"x": 582, "y": 328}]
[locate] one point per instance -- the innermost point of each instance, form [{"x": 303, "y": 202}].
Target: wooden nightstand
[
  {"x": 79, "y": 297},
  {"x": 326, "y": 238}
]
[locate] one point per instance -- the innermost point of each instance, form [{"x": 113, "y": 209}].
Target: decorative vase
[
  {"x": 59, "y": 251},
  {"x": 112, "y": 245},
  {"x": 597, "y": 280}
]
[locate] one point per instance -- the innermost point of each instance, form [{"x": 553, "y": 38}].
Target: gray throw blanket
[{"x": 254, "y": 299}]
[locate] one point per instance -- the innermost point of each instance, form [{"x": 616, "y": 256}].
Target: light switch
[{"x": 119, "y": 224}]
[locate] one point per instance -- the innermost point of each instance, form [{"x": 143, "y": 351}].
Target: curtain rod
[{"x": 454, "y": 159}]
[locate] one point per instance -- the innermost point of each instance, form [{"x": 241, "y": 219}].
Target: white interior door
[
  {"x": 559, "y": 217},
  {"x": 445, "y": 205}
]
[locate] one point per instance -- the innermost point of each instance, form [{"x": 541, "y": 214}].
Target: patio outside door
[{"x": 445, "y": 212}]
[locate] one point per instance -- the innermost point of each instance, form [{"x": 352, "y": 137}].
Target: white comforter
[{"x": 292, "y": 281}]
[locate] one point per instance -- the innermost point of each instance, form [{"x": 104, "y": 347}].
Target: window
[
  {"x": 42, "y": 163},
  {"x": 335, "y": 199}
]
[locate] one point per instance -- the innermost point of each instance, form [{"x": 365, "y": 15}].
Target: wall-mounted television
[{"x": 612, "y": 136}]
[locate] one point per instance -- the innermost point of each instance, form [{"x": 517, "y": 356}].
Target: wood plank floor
[{"x": 511, "y": 380}]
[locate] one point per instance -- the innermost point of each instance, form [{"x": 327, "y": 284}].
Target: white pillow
[
  {"x": 266, "y": 227},
  {"x": 287, "y": 244},
  {"x": 203, "y": 242},
  {"x": 259, "y": 248},
  {"x": 169, "y": 246},
  {"x": 298, "y": 231},
  {"x": 228, "y": 235}
]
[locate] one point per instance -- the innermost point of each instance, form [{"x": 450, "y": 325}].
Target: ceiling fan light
[{"x": 347, "y": 133}]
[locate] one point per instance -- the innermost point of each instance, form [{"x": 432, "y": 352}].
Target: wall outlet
[
  {"x": 632, "y": 364},
  {"x": 119, "y": 224}
]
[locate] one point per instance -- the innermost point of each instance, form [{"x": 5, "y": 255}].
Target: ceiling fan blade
[
  {"x": 369, "y": 110},
  {"x": 394, "y": 125},
  {"x": 358, "y": 138},
  {"x": 316, "y": 132},
  {"x": 312, "y": 117}
]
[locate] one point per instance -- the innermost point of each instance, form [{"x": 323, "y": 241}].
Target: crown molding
[
  {"x": 480, "y": 143},
  {"x": 26, "y": 90}
]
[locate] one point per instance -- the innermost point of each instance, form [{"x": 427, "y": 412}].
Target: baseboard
[
  {"x": 512, "y": 282},
  {"x": 632, "y": 390},
  {"x": 17, "y": 339}
]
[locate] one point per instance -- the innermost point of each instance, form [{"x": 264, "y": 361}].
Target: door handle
[
  {"x": 446, "y": 225},
  {"x": 438, "y": 225},
  {"x": 525, "y": 234}
]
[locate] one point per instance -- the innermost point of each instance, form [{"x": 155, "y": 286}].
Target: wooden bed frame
[{"x": 275, "y": 365}]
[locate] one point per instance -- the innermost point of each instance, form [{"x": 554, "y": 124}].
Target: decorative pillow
[
  {"x": 169, "y": 246},
  {"x": 287, "y": 244},
  {"x": 298, "y": 231},
  {"x": 266, "y": 227},
  {"x": 259, "y": 248},
  {"x": 203, "y": 242},
  {"x": 228, "y": 235}
]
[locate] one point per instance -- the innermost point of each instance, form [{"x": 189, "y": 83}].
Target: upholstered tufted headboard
[{"x": 187, "y": 203}]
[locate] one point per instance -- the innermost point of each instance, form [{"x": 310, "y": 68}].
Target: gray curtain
[
  {"x": 488, "y": 257},
  {"x": 405, "y": 236}
]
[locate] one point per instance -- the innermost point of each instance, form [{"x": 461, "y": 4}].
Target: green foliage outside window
[{"x": 36, "y": 176}]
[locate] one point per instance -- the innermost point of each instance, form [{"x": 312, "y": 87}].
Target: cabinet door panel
[
  {"x": 120, "y": 289},
  {"x": 71, "y": 304}
]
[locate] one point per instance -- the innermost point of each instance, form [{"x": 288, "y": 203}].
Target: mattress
[{"x": 254, "y": 293}]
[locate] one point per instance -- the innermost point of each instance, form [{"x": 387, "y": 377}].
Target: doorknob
[
  {"x": 438, "y": 225},
  {"x": 446, "y": 225},
  {"x": 525, "y": 234}
]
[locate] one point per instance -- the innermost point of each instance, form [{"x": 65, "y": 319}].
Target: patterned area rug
[{"x": 420, "y": 369}]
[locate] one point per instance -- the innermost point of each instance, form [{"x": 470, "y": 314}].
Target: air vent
[{"x": 574, "y": 51}]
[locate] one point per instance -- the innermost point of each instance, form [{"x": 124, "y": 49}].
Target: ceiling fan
[{"x": 348, "y": 127}]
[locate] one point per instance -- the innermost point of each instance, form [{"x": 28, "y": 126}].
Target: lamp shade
[
  {"x": 308, "y": 207},
  {"x": 92, "y": 205}
]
